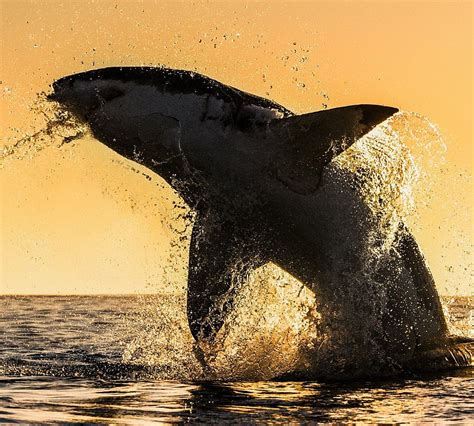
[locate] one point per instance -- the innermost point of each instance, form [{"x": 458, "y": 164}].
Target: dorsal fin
[{"x": 306, "y": 143}]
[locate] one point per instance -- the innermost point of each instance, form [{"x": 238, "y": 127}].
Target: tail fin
[{"x": 308, "y": 142}]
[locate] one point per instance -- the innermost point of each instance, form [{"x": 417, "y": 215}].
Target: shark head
[
  {"x": 129, "y": 115},
  {"x": 84, "y": 96}
]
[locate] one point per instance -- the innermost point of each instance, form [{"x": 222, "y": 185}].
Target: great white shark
[{"x": 265, "y": 187}]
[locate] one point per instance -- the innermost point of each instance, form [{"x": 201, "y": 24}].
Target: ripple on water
[{"x": 38, "y": 383}]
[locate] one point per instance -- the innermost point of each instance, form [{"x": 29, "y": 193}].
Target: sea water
[{"x": 84, "y": 359}]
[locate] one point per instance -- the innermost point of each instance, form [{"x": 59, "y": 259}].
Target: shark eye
[{"x": 109, "y": 93}]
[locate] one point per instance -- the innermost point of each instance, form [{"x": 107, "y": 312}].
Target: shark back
[{"x": 178, "y": 92}]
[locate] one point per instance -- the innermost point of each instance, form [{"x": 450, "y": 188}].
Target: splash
[
  {"x": 60, "y": 127},
  {"x": 273, "y": 319}
]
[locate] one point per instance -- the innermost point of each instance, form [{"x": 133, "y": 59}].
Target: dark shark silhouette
[{"x": 264, "y": 188}]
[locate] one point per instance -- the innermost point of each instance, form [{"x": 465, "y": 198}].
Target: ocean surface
[{"x": 88, "y": 359}]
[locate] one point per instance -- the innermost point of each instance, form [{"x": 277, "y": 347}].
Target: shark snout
[
  {"x": 60, "y": 89},
  {"x": 80, "y": 98}
]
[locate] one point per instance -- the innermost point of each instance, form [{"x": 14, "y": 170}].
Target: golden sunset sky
[{"x": 77, "y": 219}]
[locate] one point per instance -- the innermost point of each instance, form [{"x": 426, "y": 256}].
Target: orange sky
[{"x": 76, "y": 220}]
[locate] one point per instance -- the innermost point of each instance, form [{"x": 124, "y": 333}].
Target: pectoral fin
[
  {"x": 306, "y": 143},
  {"x": 220, "y": 259}
]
